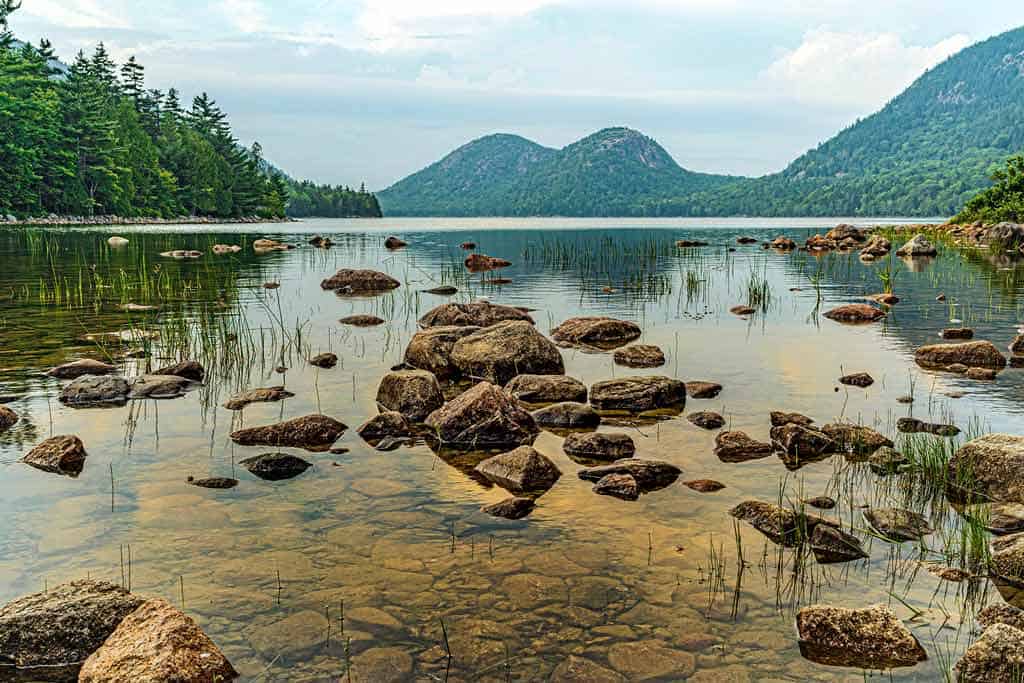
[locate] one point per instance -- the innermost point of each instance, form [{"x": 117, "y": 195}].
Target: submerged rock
[
  {"x": 276, "y": 466},
  {"x": 597, "y": 331},
  {"x": 8, "y": 418},
  {"x": 157, "y": 642},
  {"x": 859, "y": 379},
  {"x": 362, "y": 320},
  {"x": 736, "y": 446},
  {"x": 413, "y": 393},
  {"x": 214, "y": 482},
  {"x": 443, "y": 290},
  {"x": 831, "y": 545},
  {"x": 387, "y": 425},
  {"x": 650, "y": 475},
  {"x": 639, "y": 356},
  {"x": 476, "y": 314},
  {"x": 547, "y": 389},
  {"x": 483, "y": 417},
  {"x": 911, "y": 425},
  {"x": 431, "y": 349},
  {"x": 689, "y": 244},
  {"x": 510, "y": 508},
  {"x": 997, "y": 656},
  {"x": 599, "y": 446},
  {"x": 703, "y": 390},
  {"x": 523, "y": 470},
  {"x": 779, "y": 418},
  {"x": 352, "y": 281},
  {"x": 898, "y": 524},
  {"x": 188, "y": 369},
  {"x": 500, "y": 352},
  {"x": 869, "y": 638},
  {"x": 638, "y": 394},
  {"x": 160, "y": 386},
  {"x": 59, "y": 455},
  {"x": 855, "y": 438},
  {"x": 975, "y": 354},
  {"x": 917, "y": 246},
  {"x": 706, "y": 419},
  {"x": 79, "y": 368},
  {"x": 887, "y": 460},
  {"x": 855, "y": 313},
  {"x": 783, "y": 526},
  {"x": 957, "y": 333},
  {"x": 63, "y": 625},
  {"x": 567, "y": 415},
  {"x": 259, "y": 395},
  {"x": 622, "y": 486},
  {"x": 324, "y": 360},
  {"x": 743, "y": 310},
  {"x": 91, "y": 390},
  {"x": 820, "y": 502},
  {"x": 311, "y": 432},
  {"x": 704, "y": 485},
  {"x": 988, "y": 468}
]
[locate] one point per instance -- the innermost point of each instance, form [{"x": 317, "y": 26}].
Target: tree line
[{"x": 91, "y": 139}]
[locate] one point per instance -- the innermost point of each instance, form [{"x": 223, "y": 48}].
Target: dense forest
[
  {"x": 926, "y": 153},
  {"x": 91, "y": 139},
  {"x": 1004, "y": 201}
]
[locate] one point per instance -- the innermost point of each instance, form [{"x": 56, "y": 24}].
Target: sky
[{"x": 351, "y": 91}]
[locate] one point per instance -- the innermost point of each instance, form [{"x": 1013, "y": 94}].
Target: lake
[{"x": 380, "y": 565}]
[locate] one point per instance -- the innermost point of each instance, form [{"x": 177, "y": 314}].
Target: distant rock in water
[
  {"x": 917, "y": 246},
  {"x": 8, "y": 418},
  {"x": 703, "y": 390},
  {"x": 736, "y": 446},
  {"x": 444, "y": 290},
  {"x": 706, "y": 419},
  {"x": 567, "y": 415},
  {"x": 638, "y": 394},
  {"x": 859, "y": 379},
  {"x": 325, "y": 361},
  {"x": 362, "y": 321},
  {"x": 911, "y": 425},
  {"x": 92, "y": 391},
  {"x": 480, "y": 263},
  {"x": 600, "y": 446},
  {"x": 160, "y": 386},
  {"x": 394, "y": 243},
  {"x": 640, "y": 356},
  {"x": 214, "y": 482},
  {"x": 650, "y": 475},
  {"x": 854, "y": 314},
  {"x": 352, "y": 281}
]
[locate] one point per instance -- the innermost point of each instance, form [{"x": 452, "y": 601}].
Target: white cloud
[
  {"x": 75, "y": 13},
  {"x": 854, "y": 69},
  {"x": 248, "y": 16}
]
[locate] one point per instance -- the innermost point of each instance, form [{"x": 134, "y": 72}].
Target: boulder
[
  {"x": 481, "y": 263},
  {"x": 639, "y": 356},
  {"x": 638, "y": 394},
  {"x": 510, "y": 508},
  {"x": 393, "y": 242},
  {"x": 413, "y": 393},
  {"x": 779, "y": 418},
  {"x": 324, "y": 360},
  {"x": 974, "y": 354},
  {"x": 917, "y": 246},
  {"x": 703, "y": 390},
  {"x": 92, "y": 390},
  {"x": 476, "y": 314},
  {"x": 799, "y": 440},
  {"x": 650, "y": 475},
  {"x": 855, "y": 314},
  {"x": 362, "y": 320},
  {"x": 856, "y": 439},
  {"x": 259, "y": 395},
  {"x": 819, "y": 243},
  {"x": 868, "y": 638},
  {"x": 604, "y": 446},
  {"x": 157, "y": 642},
  {"x": 997, "y": 656},
  {"x": 911, "y": 425},
  {"x": 276, "y": 466},
  {"x": 783, "y": 526},
  {"x": 500, "y": 352},
  {"x": 62, "y": 625},
  {"x": 387, "y": 425},
  {"x": 483, "y": 417},
  {"x": 547, "y": 389},
  {"x": 783, "y": 243},
  {"x": 320, "y": 242},
  {"x": 897, "y": 524},
  {"x": 520, "y": 471},
  {"x": 988, "y": 468},
  {"x": 704, "y": 485},
  {"x": 59, "y": 454},
  {"x": 845, "y": 231},
  {"x": 596, "y": 331},
  {"x": 431, "y": 349},
  {"x": 567, "y": 415},
  {"x": 351, "y": 281},
  {"x": 857, "y": 379},
  {"x": 311, "y": 432},
  {"x": 746, "y": 240},
  {"x": 160, "y": 386},
  {"x": 706, "y": 419},
  {"x": 79, "y": 368},
  {"x": 887, "y": 460},
  {"x": 622, "y": 486},
  {"x": 188, "y": 369},
  {"x": 877, "y": 246},
  {"x": 831, "y": 545},
  {"x": 957, "y": 333},
  {"x": 736, "y": 446},
  {"x": 8, "y": 418}
]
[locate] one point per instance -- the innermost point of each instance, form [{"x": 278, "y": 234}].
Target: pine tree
[{"x": 133, "y": 81}]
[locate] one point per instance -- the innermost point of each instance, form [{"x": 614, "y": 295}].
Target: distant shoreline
[{"x": 121, "y": 220}]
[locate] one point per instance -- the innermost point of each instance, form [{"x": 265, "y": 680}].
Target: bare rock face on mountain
[
  {"x": 500, "y": 352},
  {"x": 351, "y": 281},
  {"x": 547, "y": 389},
  {"x": 601, "y": 332},
  {"x": 869, "y": 638},
  {"x": 520, "y": 471},
  {"x": 59, "y": 455},
  {"x": 476, "y": 314},
  {"x": 413, "y": 393},
  {"x": 638, "y": 394},
  {"x": 974, "y": 354},
  {"x": 988, "y": 468},
  {"x": 431, "y": 349},
  {"x": 311, "y": 432},
  {"x": 483, "y": 417},
  {"x": 157, "y": 642}
]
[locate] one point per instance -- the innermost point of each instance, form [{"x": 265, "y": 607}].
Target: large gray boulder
[
  {"x": 638, "y": 394},
  {"x": 523, "y": 470},
  {"x": 547, "y": 389},
  {"x": 413, "y": 393},
  {"x": 476, "y": 314},
  {"x": 94, "y": 391},
  {"x": 869, "y": 638},
  {"x": 500, "y": 352},
  {"x": 989, "y": 468},
  {"x": 483, "y": 417},
  {"x": 431, "y": 349}
]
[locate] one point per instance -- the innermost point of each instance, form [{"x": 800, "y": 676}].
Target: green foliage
[
  {"x": 1004, "y": 201},
  {"x": 308, "y": 199}
]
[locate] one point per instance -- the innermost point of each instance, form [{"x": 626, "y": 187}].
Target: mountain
[
  {"x": 612, "y": 172},
  {"x": 925, "y": 153}
]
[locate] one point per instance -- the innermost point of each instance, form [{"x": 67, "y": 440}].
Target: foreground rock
[
  {"x": 311, "y": 432},
  {"x": 160, "y": 386},
  {"x": 855, "y": 313},
  {"x": 500, "y": 352},
  {"x": 567, "y": 415},
  {"x": 706, "y": 419},
  {"x": 622, "y": 486},
  {"x": 736, "y": 446},
  {"x": 650, "y": 475},
  {"x": 898, "y": 524},
  {"x": 988, "y": 468},
  {"x": 1007, "y": 561},
  {"x": 799, "y": 440},
  {"x": 639, "y": 356},
  {"x": 483, "y": 417},
  {"x": 79, "y": 368},
  {"x": 276, "y": 466},
  {"x": 510, "y": 508},
  {"x": 91, "y": 390},
  {"x": 975, "y": 354},
  {"x": 521, "y": 471},
  {"x": 62, "y": 625},
  {"x": 387, "y": 425},
  {"x": 781, "y": 525},
  {"x": 831, "y": 545},
  {"x": 413, "y": 393},
  {"x": 431, "y": 349},
  {"x": 638, "y": 394},
  {"x": 259, "y": 395},
  {"x": 703, "y": 390},
  {"x": 855, "y": 439},
  {"x": 869, "y": 638},
  {"x": 911, "y": 425},
  {"x": 189, "y": 369},
  {"x": 157, "y": 642},
  {"x": 476, "y": 314},
  {"x": 599, "y": 446},
  {"x": 8, "y": 418},
  {"x": 349, "y": 281},
  {"x": 597, "y": 331},
  {"x": 997, "y": 656},
  {"x": 547, "y": 389},
  {"x": 917, "y": 246},
  {"x": 59, "y": 455}
]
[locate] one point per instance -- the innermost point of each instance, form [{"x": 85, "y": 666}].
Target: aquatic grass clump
[{"x": 759, "y": 290}]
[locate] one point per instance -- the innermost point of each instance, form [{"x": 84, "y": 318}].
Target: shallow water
[{"x": 353, "y": 567}]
